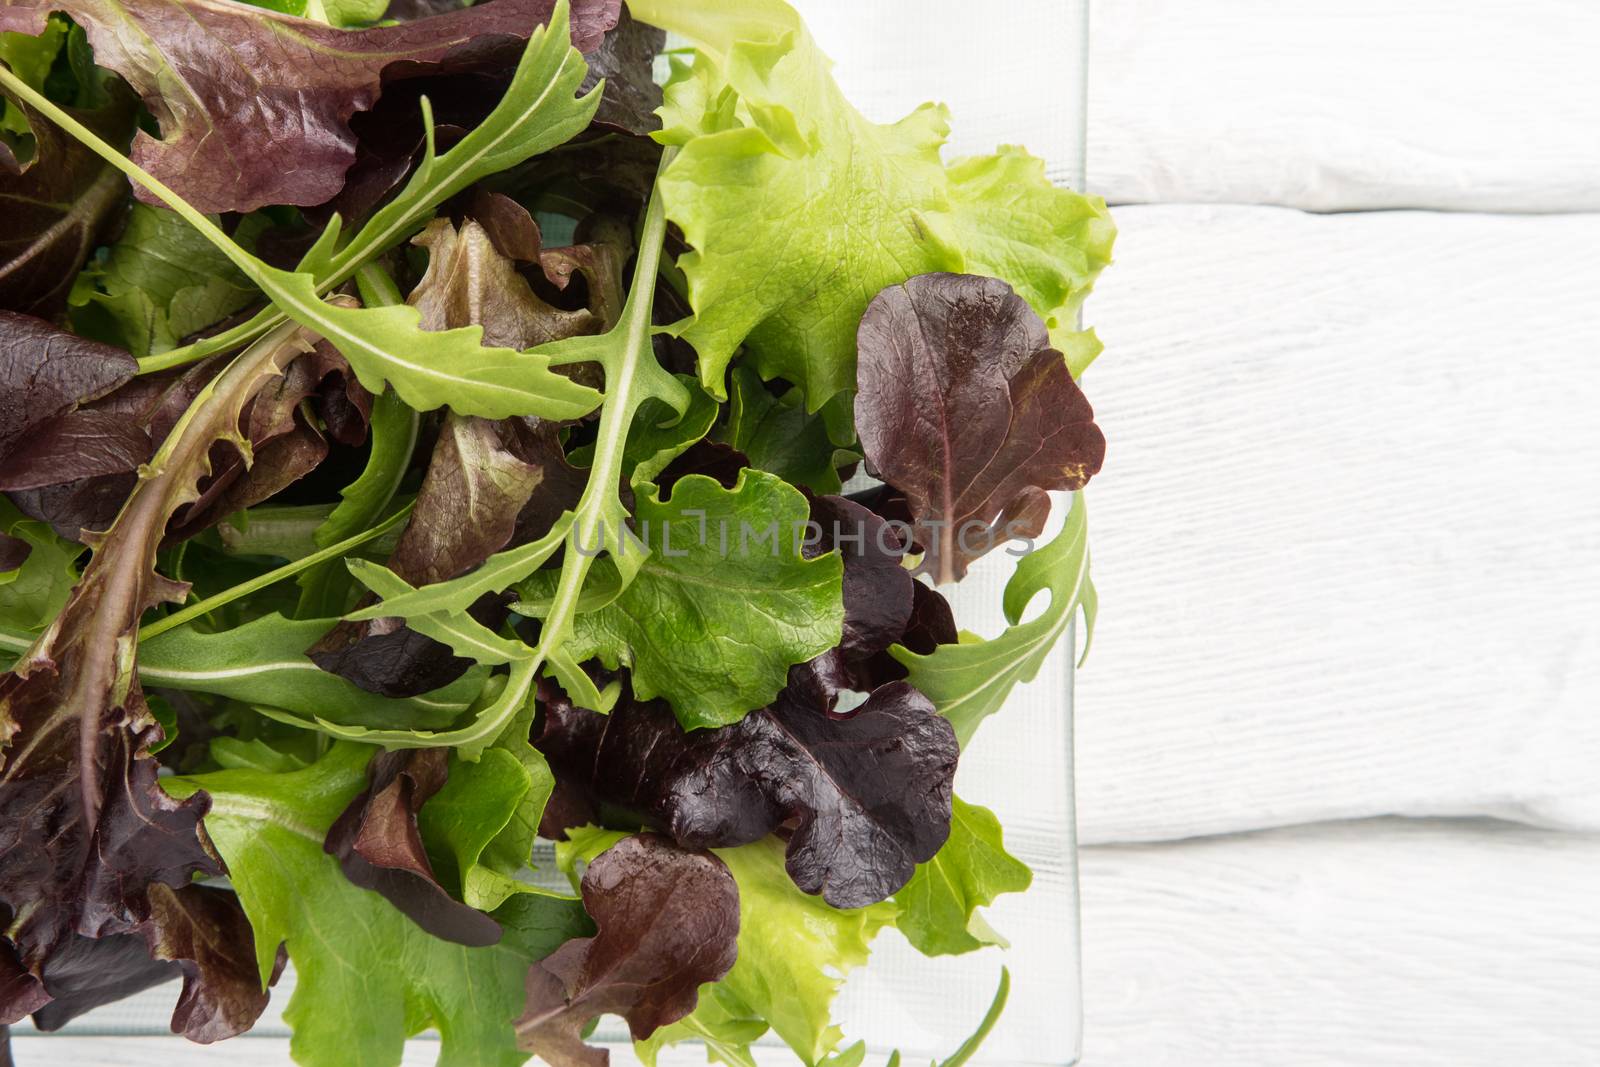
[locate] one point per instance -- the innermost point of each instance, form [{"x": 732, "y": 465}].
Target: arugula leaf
[
  {"x": 237, "y": 90},
  {"x": 939, "y": 906},
  {"x": 714, "y": 617},
  {"x": 367, "y": 977},
  {"x": 970, "y": 681}
]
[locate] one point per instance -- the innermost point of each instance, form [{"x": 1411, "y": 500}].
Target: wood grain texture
[
  {"x": 1347, "y": 537},
  {"x": 1476, "y": 105},
  {"x": 1385, "y": 944}
]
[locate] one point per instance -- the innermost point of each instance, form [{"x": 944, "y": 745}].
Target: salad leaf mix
[{"x": 424, "y": 430}]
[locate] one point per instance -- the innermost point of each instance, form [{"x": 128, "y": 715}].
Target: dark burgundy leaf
[
  {"x": 667, "y": 922},
  {"x": 80, "y": 444},
  {"x": 626, "y": 60},
  {"x": 932, "y": 623},
  {"x": 85, "y": 831},
  {"x": 85, "y": 973},
  {"x": 390, "y": 138},
  {"x": 58, "y": 207},
  {"x": 510, "y": 226},
  {"x": 714, "y": 459},
  {"x": 223, "y": 79},
  {"x": 13, "y": 552},
  {"x": 204, "y": 931},
  {"x": 46, "y": 372},
  {"x": 877, "y": 589},
  {"x": 379, "y": 847},
  {"x": 965, "y": 408},
  {"x": 152, "y": 404},
  {"x": 196, "y": 933},
  {"x": 387, "y": 657},
  {"x": 75, "y": 509},
  {"x": 868, "y": 795}
]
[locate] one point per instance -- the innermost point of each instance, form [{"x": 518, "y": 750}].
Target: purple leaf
[
  {"x": 868, "y": 796},
  {"x": 626, "y": 60},
  {"x": 255, "y": 106},
  {"x": 58, "y": 207},
  {"x": 965, "y": 408},
  {"x": 379, "y": 846},
  {"x": 877, "y": 589},
  {"x": 667, "y": 922},
  {"x": 46, "y": 372},
  {"x": 87, "y": 837}
]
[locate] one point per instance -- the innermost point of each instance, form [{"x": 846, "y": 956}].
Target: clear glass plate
[{"x": 1011, "y": 74}]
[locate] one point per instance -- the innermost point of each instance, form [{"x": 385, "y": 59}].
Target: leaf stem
[
  {"x": 616, "y": 416},
  {"x": 272, "y": 577},
  {"x": 138, "y": 174}
]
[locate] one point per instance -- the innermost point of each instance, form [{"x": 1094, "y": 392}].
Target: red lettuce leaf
[
  {"x": 87, "y": 837},
  {"x": 65, "y": 201},
  {"x": 255, "y": 106},
  {"x": 46, "y": 372},
  {"x": 965, "y": 408},
  {"x": 626, "y": 60},
  {"x": 667, "y": 922},
  {"x": 379, "y": 847},
  {"x": 14, "y": 552},
  {"x": 877, "y": 589},
  {"x": 868, "y": 795},
  {"x": 73, "y": 503}
]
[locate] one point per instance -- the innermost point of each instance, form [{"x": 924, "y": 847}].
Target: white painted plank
[
  {"x": 1461, "y": 104},
  {"x": 1347, "y": 538},
  {"x": 892, "y": 55},
  {"x": 1384, "y": 944}
]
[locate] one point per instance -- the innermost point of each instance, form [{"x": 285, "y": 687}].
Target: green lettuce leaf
[
  {"x": 481, "y": 825},
  {"x": 939, "y": 906},
  {"x": 715, "y": 616},
  {"x": 162, "y": 281},
  {"x": 779, "y": 172},
  {"x": 778, "y": 435},
  {"x": 32, "y": 594},
  {"x": 367, "y": 976},
  {"x": 1050, "y": 243}
]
